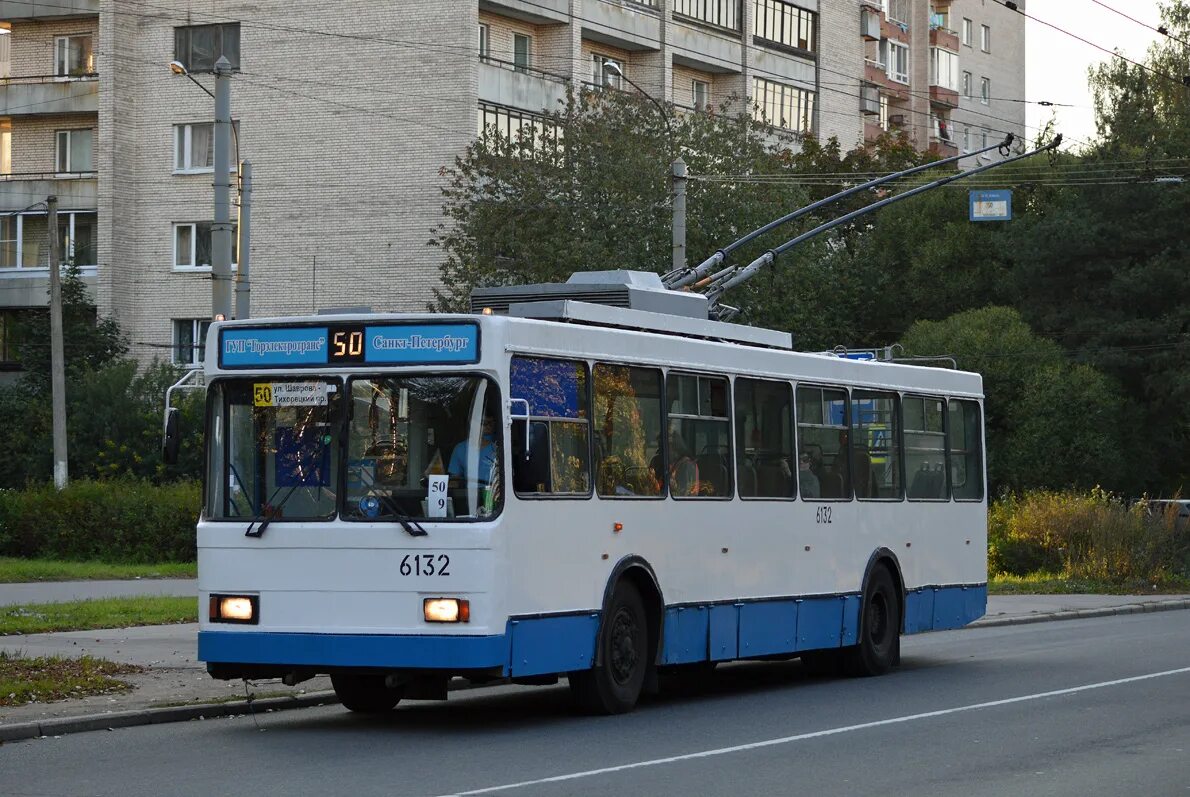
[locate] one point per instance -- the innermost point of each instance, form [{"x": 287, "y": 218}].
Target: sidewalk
[
  {"x": 174, "y": 676},
  {"x": 60, "y": 591}
]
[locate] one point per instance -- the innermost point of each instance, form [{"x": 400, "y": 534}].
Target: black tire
[
  {"x": 879, "y": 648},
  {"x": 614, "y": 686},
  {"x": 365, "y": 694}
]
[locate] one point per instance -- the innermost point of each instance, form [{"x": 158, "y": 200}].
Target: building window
[
  {"x": 984, "y": 144},
  {"x": 721, "y": 13},
  {"x": 941, "y": 128},
  {"x": 74, "y": 151},
  {"x": 73, "y": 56},
  {"x": 966, "y": 139},
  {"x": 603, "y": 77},
  {"x": 700, "y": 93},
  {"x": 966, "y": 84},
  {"x": 883, "y": 112},
  {"x": 521, "y": 51},
  {"x": 898, "y": 61},
  {"x": 968, "y": 31},
  {"x": 783, "y": 23},
  {"x": 896, "y": 10},
  {"x": 190, "y": 340},
  {"x": 784, "y": 106},
  {"x": 985, "y": 90},
  {"x": 485, "y": 42},
  {"x": 192, "y": 245},
  {"x": 9, "y": 253},
  {"x": 513, "y": 125},
  {"x": 194, "y": 147},
  {"x": 985, "y": 38},
  {"x": 198, "y": 47},
  {"x": 5, "y": 152},
  {"x": 10, "y": 321},
  {"x": 76, "y": 234},
  {"x": 944, "y": 69}
]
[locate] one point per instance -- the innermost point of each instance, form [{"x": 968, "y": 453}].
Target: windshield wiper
[
  {"x": 266, "y": 517},
  {"x": 411, "y": 526}
]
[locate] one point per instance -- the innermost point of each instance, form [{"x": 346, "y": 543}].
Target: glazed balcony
[
  {"x": 14, "y": 10},
  {"x": 42, "y": 95}
]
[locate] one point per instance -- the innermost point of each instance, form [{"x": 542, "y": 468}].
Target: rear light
[
  {"x": 446, "y": 610},
  {"x": 243, "y": 609}
]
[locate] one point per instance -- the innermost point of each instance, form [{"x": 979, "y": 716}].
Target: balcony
[
  {"x": 876, "y": 74},
  {"x": 943, "y": 97},
  {"x": 505, "y": 83},
  {"x": 946, "y": 39},
  {"x": 869, "y": 23},
  {"x": 943, "y": 148},
  {"x": 47, "y": 94},
  {"x": 12, "y": 10},
  {"x": 537, "y": 12},
  {"x": 630, "y": 26},
  {"x": 894, "y": 30},
  {"x": 75, "y": 191},
  {"x": 872, "y": 131}
]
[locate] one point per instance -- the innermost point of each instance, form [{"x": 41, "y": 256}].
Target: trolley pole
[
  {"x": 679, "y": 224},
  {"x": 221, "y": 226},
  {"x": 244, "y": 232},
  {"x": 57, "y": 364}
]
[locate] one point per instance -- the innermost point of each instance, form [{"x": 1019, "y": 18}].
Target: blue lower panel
[
  {"x": 820, "y": 623},
  {"x": 919, "y": 610},
  {"x": 686, "y": 634},
  {"x": 353, "y": 650},
  {"x": 767, "y": 627},
  {"x": 553, "y": 644},
  {"x": 850, "y": 620},
  {"x": 724, "y": 636},
  {"x": 942, "y": 608}
]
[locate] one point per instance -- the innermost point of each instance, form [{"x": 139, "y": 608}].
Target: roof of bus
[{"x": 558, "y": 339}]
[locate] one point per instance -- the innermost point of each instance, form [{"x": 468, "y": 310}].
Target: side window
[
  {"x": 628, "y": 430},
  {"x": 558, "y": 459},
  {"x": 966, "y": 459},
  {"x": 764, "y": 439},
  {"x": 875, "y": 450},
  {"x": 699, "y": 440},
  {"x": 822, "y": 438},
  {"x": 925, "y": 448}
]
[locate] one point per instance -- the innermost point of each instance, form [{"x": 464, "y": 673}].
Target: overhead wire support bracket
[
  {"x": 720, "y": 287},
  {"x": 689, "y": 276}
]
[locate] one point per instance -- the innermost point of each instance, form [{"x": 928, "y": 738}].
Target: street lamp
[
  {"x": 677, "y": 171},
  {"x": 221, "y": 230}
]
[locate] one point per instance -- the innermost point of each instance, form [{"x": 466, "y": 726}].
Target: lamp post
[
  {"x": 221, "y": 227},
  {"x": 677, "y": 171}
]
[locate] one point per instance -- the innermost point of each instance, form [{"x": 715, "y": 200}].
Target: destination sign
[{"x": 348, "y": 344}]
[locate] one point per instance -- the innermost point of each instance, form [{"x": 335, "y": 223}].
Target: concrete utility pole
[
  {"x": 679, "y": 223},
  {"x": 57, "y": 364},
  {"x": 221, "y": 236},
  {"x": 244, "y": 231}
]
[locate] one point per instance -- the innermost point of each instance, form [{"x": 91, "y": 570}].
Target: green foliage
[
  {"x": 114, "y": 521},
  {"x": 1089, "y": 536},
  {"x": 48, "y": 678}
]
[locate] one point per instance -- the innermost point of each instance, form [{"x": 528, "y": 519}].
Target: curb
[
  {"x": 158, "y": 716},
  {"x": 1082, "y": 614}
]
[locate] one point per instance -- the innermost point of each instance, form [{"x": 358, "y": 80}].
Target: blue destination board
[{"x": 348, "y": 344}]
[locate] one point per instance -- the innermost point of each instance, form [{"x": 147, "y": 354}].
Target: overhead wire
[{"x": 1162, "y": 29}]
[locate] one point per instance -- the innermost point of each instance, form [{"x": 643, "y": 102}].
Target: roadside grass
[
  {"x": 16, "y": 571},
  {"x": 42, "y": 680},
  {"x": 1056, "y": 584},
  {"x": 38, "y": 618}
]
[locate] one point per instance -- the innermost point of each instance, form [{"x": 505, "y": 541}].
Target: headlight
[
  {"x": 234, "y": 609},
  {"x": 447, "y": 610}
]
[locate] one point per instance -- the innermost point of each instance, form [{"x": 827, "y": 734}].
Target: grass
[
  {"x": 1055, "y": 584},
  {"x": 37, "y": 618},
  {"x": 42, "y": 680},
  {"x": 15, "y": 571}
]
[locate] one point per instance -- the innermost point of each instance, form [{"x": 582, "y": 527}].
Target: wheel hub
[{"x": 622, "y": 658}]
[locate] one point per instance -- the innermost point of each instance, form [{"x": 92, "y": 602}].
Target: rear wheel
[
  {"x": 366, "y": 694},
  {"x": 614, "y": 686},
  {"x": 879, "y": 648}
]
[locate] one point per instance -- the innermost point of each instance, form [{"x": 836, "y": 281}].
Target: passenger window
[
  {"x": 628, "y": 430},
  {"x": 875, "y": 452},
  {"x": 965, "y": 456},
  {"x": 764, "y": 439},
  {"x": 558, "y": 461},
  {"x": 822, "y": 438},
  {"x": 925, "y": 448},
  {"x": 699, "y": 440}
]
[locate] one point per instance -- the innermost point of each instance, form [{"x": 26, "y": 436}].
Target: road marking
[{"x": 739, "y": 748}]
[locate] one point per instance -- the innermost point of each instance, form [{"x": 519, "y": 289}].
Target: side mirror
[{"x": 173, "y": 438}]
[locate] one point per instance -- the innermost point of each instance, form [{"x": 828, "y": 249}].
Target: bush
[
  {"x": 112, "y": 521},
  {"x": 1085, "y": 536}
]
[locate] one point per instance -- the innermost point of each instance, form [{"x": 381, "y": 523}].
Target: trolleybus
[{"x": 561, "y": 489}]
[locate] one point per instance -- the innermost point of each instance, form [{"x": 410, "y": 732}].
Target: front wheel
[
  {"x": 879, "y": 648},
  {"x": 614, "y": 685},
  {"x": 365, "y": 694}
]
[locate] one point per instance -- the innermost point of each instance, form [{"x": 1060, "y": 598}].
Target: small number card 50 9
[{"x": 436, "y": 495}]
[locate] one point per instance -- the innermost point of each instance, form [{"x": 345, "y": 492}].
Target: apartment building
[{"x": 348, "y": 113}]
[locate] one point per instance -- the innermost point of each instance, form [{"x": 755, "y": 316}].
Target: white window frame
[
  {"x": 66, "y": 219},
  {"x": 966, "y": 139},
  {"x": 186, "y": 130},
  {"x": 706, "y": 94},
  {"x": 967, "y": 84},
  {"x": 605, "y": 79},
  {"x": 898, "y": 77},
  {"x": 59, "y": 135},
  {"x": 968, "y": 32},
  {"x": 199, "y": 328},
  {"x": 944, "y": 68},
  {"x": 985, "y": 90},
  {"x": 62, "y": 69},
  {"x": 884, "y": 106},
  {"x": 5, "y": 151},
  {"x": 525, "y": 67},
  {"x": 985, "y": 38},
  {"x": 194, "y": 265},
  {"x": 895, "y": 10}
]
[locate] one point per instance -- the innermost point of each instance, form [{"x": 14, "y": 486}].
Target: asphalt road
[
  {"x": 58, "y": 591},
  {"x": 1086, "y": 707}
]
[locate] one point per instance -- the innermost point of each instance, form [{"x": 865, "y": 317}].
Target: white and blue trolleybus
[{"x": 590, "y": 481}]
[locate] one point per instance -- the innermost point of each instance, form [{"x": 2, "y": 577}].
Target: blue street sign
[{"x": 991, "y": 205}]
